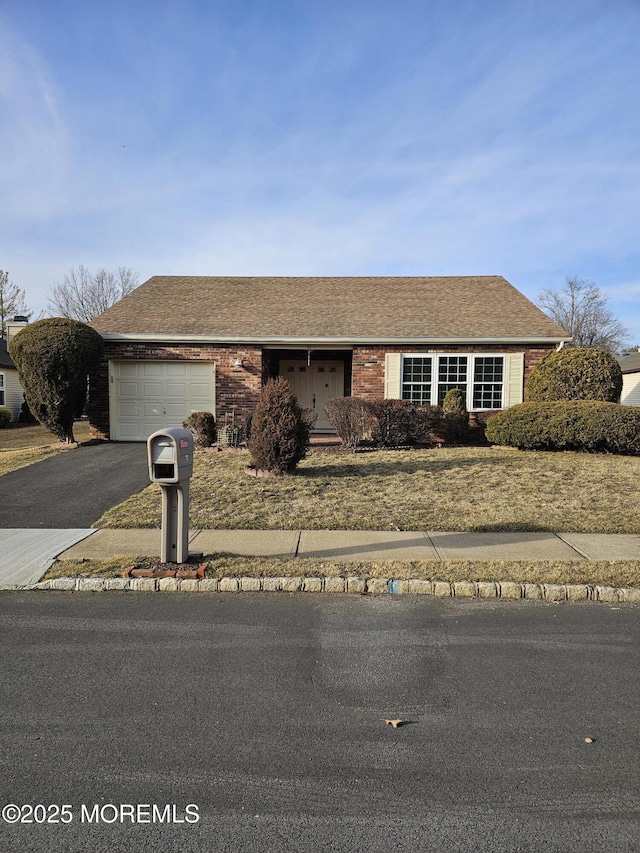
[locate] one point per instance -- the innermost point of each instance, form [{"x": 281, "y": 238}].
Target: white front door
[
  {"x": 145, "y": 396},
  {"x": 314, "y": 384}
]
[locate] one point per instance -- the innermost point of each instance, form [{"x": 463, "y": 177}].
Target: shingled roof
[
  {"x": 630, "y": 363},
  {"x": 5, "y": 358},
  {"x": 359, "y": 309}
]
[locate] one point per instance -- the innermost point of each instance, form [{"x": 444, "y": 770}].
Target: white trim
[
  {"x": 2, "y": 389},
  {"x": 277, "y": 341},
  {"x": 471, "y": 357}
]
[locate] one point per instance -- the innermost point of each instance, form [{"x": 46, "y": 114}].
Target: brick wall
[
  {"x": 237, "y": 388},
  {"x": 368, "y": 362}
]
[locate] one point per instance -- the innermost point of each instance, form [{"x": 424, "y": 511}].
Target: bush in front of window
[
  {"x": 456, "y": 416},
  {"x": 352, "y": 419},
  {"x": 5, "y": 418},
  {"x": 401, "y": 422},
  {"x": 575, "y": 373},
  {"x": 583, "y": 425},
  {"x": 202, "y": 425},
  {"x": 280, "y": 429}
]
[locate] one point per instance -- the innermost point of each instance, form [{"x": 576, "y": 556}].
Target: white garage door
[{"x": 145, "y": 396}]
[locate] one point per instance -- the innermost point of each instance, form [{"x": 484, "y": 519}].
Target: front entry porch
[{"x": 315, "y": 377}]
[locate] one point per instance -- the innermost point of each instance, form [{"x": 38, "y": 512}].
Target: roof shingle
[{"x": 342, "y": 307}]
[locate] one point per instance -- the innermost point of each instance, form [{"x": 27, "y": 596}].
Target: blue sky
[{"x": 313, "y": 137}]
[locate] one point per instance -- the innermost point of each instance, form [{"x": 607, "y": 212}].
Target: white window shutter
[
  {"x": 392, "y": 378},
  {"x": 515, "y": 378}
]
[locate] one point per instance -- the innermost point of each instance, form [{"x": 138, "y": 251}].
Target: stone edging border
[{"x": 355, "y": 585}]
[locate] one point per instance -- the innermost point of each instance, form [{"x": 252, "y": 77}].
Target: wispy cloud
[
  {"x": 33, "y": 135},
  {"x": 341, "y": 138}
]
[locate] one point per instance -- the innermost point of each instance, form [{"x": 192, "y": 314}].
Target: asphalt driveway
[{"x": 72, "y": 489}]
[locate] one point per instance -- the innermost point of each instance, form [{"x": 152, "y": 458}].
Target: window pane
[
  {"x": 416, "y": 379},
  {"x": 452, "y": 373},
  {"x": 488, "y": 381}
]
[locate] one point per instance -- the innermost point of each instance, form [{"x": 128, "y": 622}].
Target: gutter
[{"x": 277, "y": 341}]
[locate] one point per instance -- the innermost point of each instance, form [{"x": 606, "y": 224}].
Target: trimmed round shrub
[
  {"x": 5, "y": 418},
  {"x": 54, "y": 357},
  {"x": 456, "y": 416},
  {"x": 202, "y": 425},
  {"x": 575, "y": 373},
  {"x": 401, "y": 422},
  {"x": 586, "y": 425},
  {"x": 280, "y": 429}
]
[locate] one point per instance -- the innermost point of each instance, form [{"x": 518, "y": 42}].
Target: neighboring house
[
  {"x": 11, "y": 394},
  {"x": 182, "y": 344},
  {"x": 630, "y": 365}
]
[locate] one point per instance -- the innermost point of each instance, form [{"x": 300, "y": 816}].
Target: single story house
[
  {"x": 181, "y": 344},
  {"x": 630, "y": 364},
  {"x": 11, "y": 393}
]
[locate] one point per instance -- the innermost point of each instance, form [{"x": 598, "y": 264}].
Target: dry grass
[
  {"x": 452, "y": 489},
  {"x": 622, "y": 573},
  {"x": 22, "y": 445},
  {"x": 14, "y": 459}
]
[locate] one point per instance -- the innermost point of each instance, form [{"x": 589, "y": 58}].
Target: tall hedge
[
  {"x": 279, "y": 429},
  {"x": 575, "y": 373},
  {"x": 54, "y": 357},
  {"x": 588, "y": 425}
]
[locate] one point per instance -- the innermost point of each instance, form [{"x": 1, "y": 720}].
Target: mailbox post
[{"x": 170, "y": 457}]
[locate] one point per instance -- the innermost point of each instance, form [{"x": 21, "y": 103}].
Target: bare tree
[
  {"x": 581, "y": 308},
  {"x": 84, "y": 294},
  {"x": 12, "y": 301}
]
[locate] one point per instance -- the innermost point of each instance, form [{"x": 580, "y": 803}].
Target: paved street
[{"x": 267, "y": 713}]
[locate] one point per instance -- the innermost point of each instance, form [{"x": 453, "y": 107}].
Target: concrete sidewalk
[
  {"x": 360, "y": 546},
  {"x": 25, "y": 555}
]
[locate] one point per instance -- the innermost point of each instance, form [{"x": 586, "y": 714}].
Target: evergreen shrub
[
  {"x": 280, "y": 429},
  {"x": 54, "y": 357},
  {"x": 586, "y": 425},
  {"x": 25, "y": 416},
  {"x": 575, "y": 373},
  {"x": 203, "y": 427},
  {"x": 5, "y": 418},
  {"x": 456, "y": 416}
]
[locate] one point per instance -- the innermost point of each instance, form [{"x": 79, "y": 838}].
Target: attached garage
[{"x": 145, "y": 396}]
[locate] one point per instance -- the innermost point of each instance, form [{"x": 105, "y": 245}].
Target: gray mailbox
[
  {"x": 170, "y": 457},
  {"x": 170, "y": 453}
]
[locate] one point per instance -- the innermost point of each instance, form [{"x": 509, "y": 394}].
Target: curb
[{"x": 508, "y": 590}]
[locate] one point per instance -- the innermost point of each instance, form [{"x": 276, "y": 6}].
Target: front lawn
[{"x": 442, "y": 489}]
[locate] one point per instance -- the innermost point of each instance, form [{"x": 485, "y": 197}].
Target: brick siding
[
  {"x": 368, "y": 362},
  {"x": 238, "y": 388}
]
